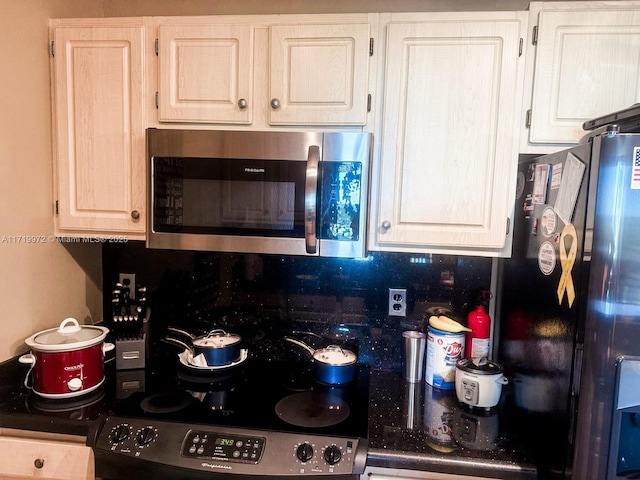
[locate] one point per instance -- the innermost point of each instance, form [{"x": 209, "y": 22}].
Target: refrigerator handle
[{"x": 575, "y": 389}]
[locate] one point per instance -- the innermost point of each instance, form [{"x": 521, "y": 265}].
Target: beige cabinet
[
  {"x": 33, "y": 455},
  {"x": 97, "y": 71},
  {"x": 318, "y": 74},
  {"x": 263, "y": 70},
  {"x": 205, "y": 73},
  {"x": 452, "y": 94},
  {"x": 587, "y": 64}
]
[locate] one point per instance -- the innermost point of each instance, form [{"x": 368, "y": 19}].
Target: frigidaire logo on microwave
[{"x": 253, "y": 170}]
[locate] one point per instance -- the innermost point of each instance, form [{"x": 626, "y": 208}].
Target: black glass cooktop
[{"x": 257, "y": 394}]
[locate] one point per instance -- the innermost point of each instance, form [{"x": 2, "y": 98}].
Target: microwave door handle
[{"x": 311, "y": 199}]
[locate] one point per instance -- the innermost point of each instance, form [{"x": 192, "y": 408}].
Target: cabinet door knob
[
  {"x": 275, "y": 103},
  {"x": 386, "y": 225},
  {"x": 38, "y": 462},
  {"x": 135, "y": 214},
  {"x": 242, "y": 104}
]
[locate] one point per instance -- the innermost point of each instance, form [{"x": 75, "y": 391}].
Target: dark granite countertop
[
  {"x": 412, "y": 426},
  {"x": 418, "y": 427}
]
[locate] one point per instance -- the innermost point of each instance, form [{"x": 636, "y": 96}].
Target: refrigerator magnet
[
  {"x": 568, "y": 250},
  {"x": 547, "y": 258},
  {"x": 549, "y": 222},
  {"x": 635, "y": 169}
]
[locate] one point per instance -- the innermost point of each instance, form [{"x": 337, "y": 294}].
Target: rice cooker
[{"x": 479, "y": 382}]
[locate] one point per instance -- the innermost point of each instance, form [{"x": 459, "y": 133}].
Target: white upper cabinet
[
  {"x": 206, "y": 73},
  {"x": 452, "y": 94},
  {"x": 264, "y": 70},
  {"x": 587, "y": 64},
  {"x": 98, "y": 91},
  {"x": 319, "y": 74}
]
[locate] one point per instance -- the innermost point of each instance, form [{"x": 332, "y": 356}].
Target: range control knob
[
  {"x": 304, "y": 452},
  {"x": 332, "y": 455},
  {"x": 120, "y": 433},
  {"x": 145, "y": 436}
]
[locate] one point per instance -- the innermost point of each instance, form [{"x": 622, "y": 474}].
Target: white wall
[{"x": 40, "y": 283}]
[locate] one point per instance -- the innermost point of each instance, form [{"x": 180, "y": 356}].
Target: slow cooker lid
[
  {"x": 55, "y": 338},
  {"x": 69, "y": 333},
  {"x": 480, "y": 366}
]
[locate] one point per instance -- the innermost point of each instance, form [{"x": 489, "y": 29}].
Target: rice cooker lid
[
  {"x": 479, "y": 366},
  {"x": 68, "y": 336}
]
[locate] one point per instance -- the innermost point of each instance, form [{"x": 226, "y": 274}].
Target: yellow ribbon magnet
[{"x": 567, "y": 259}]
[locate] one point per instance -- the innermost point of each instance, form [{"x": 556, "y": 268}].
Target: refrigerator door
[
  {"x": 539, "y": 303},
  {"x": 612, "y": 326}
]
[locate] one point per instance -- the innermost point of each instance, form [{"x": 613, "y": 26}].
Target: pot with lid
[
  {"x": 66, "y": 361},
  {"x": 218, "y": 347},
  {"x": 332, "y": 365},
  {"x": 479, "y": 382}
]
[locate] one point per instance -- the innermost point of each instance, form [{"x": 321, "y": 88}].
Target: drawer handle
[
  {"x": 135, "y": 214},
  {"x": 38, "y": 463}
]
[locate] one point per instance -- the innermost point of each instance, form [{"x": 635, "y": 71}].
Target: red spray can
[{"x": 477, "y": 340}]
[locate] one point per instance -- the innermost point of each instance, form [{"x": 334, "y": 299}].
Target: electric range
[{"x": 258, "y": 418}]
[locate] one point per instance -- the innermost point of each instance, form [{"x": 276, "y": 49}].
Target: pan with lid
[
  {"x": 217, "y": 346},
  {"x": 332, "y": 365}
]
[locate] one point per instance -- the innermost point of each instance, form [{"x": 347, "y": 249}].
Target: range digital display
[{"x": 225, "y": 442}]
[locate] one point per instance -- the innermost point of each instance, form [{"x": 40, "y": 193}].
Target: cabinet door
[
  {"x": 206, "y": 73},
  {"x": 99, "y": 127},
  {"x": 587, "y": 65},
  {"x": 319, "y": 74},
  {"x": 26, "y": 458},
  {"x": 448, "y": 150}
]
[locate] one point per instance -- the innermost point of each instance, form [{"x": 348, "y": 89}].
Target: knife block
[{"x": 131, "y": 352}]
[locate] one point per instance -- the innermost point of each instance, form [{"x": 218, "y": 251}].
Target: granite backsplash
[{"x": 343, "y": 300}]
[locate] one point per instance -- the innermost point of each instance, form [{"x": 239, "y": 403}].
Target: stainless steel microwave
[{"x": 291, "y": 193}]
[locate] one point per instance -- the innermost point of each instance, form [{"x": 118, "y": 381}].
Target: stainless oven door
[{"x": 229, "y": 191}]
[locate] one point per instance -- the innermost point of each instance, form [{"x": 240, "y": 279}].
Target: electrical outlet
[
  {"x": 398, "y": 302},
  {"x": 129, "y": 280}
]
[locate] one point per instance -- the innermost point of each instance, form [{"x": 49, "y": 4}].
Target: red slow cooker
[{"x": 66, "y": 361}]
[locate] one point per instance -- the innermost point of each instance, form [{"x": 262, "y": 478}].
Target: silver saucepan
[
  {"x": 218, "y": 347},
  {"x": 332, "y": 365}
]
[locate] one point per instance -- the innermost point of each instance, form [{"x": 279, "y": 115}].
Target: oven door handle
[{"x": 311, "y": 199}]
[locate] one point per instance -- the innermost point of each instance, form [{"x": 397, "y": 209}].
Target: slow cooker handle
[
  {"x": 69, "y": 326},
  {"x": 29, "y": 359}
]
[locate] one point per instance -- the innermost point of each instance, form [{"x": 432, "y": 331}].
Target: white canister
[{"x": 444, "y": 349}]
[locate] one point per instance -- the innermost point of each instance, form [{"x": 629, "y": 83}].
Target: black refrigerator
[{"x": 568, "y": 307}]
